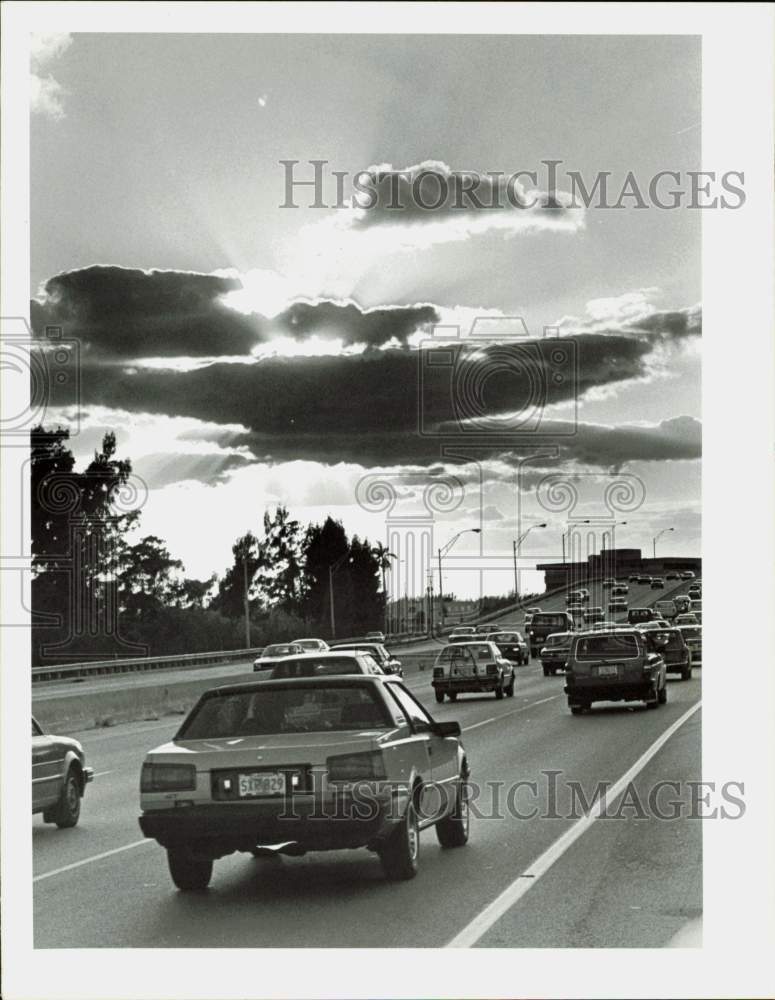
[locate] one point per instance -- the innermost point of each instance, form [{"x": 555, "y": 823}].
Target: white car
[
  {"x": 312, "y": 645},
  {"x": 271, "y": 655}
]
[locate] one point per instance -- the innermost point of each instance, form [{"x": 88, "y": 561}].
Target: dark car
[
  {"x": 636, "y": 616},
  {"x": 512, "y": 646},
  {"x": 389, "y": 664},
  {"x": 634, "y": 578},
  {"x": 488, "y": 630},
  {"x": 472, "y": 666},
  {"x": 657, "y": 583},
  {"x": 673, "y": 576},
  {"x": 626, "y": 665},
  {"x": 693, "y": 638},
  {"x": 644, "y": 579},
  {"x": 675, "y": 652},
  {"x": 593, "y": 615},
  {"x": 544, "y": 624},
  {"x": 617, "y": 605},
  {"x": 324, "y": 664},
  {"x": 59, "y": 777},
  {"x": 554, "y": 655}
]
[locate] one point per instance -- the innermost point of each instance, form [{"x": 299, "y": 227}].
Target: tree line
[{"x": 97, "y": 593}]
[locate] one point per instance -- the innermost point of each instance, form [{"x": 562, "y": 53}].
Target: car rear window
[
  {"x": 312, "y": 666},
  {"x": 280, "y": 650},
  {"x": 479, "y": 651},
  {"x": 691, "y": 631},
  {"x": 292, "y": 709},
  {"x": 606, "y": 645},
  {"x": 508, "y": 637},
  {"x": 546, "y": 619},
  {"x": 558, "y": 639}
]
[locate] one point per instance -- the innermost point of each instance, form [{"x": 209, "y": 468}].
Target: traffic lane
[
  {"x": 111, "y": 805},
  {"x": 642, "y": 877},
  {"x": 281, "y": 903}
]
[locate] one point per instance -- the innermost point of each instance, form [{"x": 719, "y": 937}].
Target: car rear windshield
[
  {"x": 508, "y": 637},
  {"x": 691, "y": 631},
  {"x": 606, "y": 645},
  {"x": 312, "y": 666},
  {"x": 558, "y": 639},
  {"x": 292, "y": 709},
  {"x": 479, "y": 651},
  {"x": 547, "y": 619},
  {"x": 280, "y": 650}
]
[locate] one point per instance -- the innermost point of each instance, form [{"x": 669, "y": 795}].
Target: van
[
  {"x": 637, "y": 616},
  {"x": 626, "y": 665}
]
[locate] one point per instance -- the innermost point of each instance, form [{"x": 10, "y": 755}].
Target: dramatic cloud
[
  {"x": 46, "y": 94},
  {"x": 635, "y": 312}
]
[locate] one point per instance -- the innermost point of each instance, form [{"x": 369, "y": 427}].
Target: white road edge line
[
  {"x": 479, "y": 926},
  {"x": 94, "y": 857},
  {"x": 514, "y": 711}
]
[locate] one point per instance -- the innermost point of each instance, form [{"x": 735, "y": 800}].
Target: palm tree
[{"x": 383, "y": 557}]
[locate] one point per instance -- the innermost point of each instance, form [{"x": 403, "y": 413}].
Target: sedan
[
  {"x": 513, "y": 647},
  {"x": 687, "y": 575},
  {"x": 686, "y": 619},
  {"x": 265, "y": 663},
  {"x": 462, "y": 632},
  {"x": 487, "y": 629},
  {"x": 693, "y": 638},
  {"x": 306, "y": 765},
  {"x": 312, "y": 645},
  {"x": 657, "y": 583},
  {"x": 617, "y": 605},
  {"x": 59, "y": 777},
  {"x": 388, "y": 663},
  {"x": 554, "y": 655},
  {"x": 376, "y": 636},
  {"x": 321, "y": 664}
]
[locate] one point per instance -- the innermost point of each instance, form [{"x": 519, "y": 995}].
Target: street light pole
[
  {"x": 247, "y": 602},
  {"x": 657, "y": 536},
  {"x": 516, "y": 545},
  {"x": 443, "y": 552},
  {"x": 333, "y": 567}
]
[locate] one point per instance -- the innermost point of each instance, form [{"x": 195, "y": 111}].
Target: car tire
[
  {"x": 686, "y": 673},
  {"x": 547, "y": 671},
  {"x": 68, "y": 809},
  {"x": 662, "y": 695},
  {"x": 510, "y": 688},
  {"x": 452, "y": 695},
  {"x": 575, "y": 709},
  {"x": 439, "y": 696},
  {"x": 452, "y": 831},
  {"x": 190, "y": 872},
  {"x": 499, "y": 692},
  {"x": 400, "y": 853}
]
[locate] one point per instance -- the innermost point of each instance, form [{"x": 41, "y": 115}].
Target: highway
[{"x": 532, "y": 875}]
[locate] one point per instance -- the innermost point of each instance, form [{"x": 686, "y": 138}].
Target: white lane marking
[
  {"x": 514, "y": 711},
  {"x": 479, "y": 926},
  {"x": 99, "y": 774},
  {"x": 94, "y": 857}
]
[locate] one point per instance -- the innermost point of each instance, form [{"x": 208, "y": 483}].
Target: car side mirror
[{"x": 446, "y": 728}]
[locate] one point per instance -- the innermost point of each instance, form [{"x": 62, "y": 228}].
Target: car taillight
[
  {"x": 167, "y": 778},
  {"x": 356, "y": 766},
  {"x": 492, "y": 668}
]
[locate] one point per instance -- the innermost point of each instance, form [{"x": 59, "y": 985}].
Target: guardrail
[{"x": 66, "y": 671}]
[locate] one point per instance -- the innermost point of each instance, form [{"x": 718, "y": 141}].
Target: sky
[{"x": 248, "y": 354}]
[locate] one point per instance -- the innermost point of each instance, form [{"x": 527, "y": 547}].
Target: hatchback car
[
  {"x": 693, "y": 638},
  {"x": 388, "y": 662},
  {"x": 625, "y": 665},
  {"x": 675, "y": 653},
  {"x": 322, "y": 763},
  {"x": 472, "y": 667},
  {"x": 59, "y": 777},
  {"x": 312, "y": 645},
  {"x": 271, "y": 655},
  {"x": 322, "y": 664},
  {"x": 554, "y": 655},
  {"x": 512, "y": 646}
]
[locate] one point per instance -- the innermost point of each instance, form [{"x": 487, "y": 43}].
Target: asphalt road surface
[{"x": 519, "y": 882}]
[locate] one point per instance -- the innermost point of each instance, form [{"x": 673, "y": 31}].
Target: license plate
[
  {"x": 266, "y": 783},
  {"x": 607, "y": 670}
]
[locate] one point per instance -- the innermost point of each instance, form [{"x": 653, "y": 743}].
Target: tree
[
  {"x": 230, "y": 599},
  {"x": 368, "y": 607},
  {"x": 279, "y": 579},
  {"x": 324, "y": 544}
]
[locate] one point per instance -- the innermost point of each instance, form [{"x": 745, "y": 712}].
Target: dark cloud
[
  {"x": 673, "y": 324},
  {"x": 124, "y": 314}
]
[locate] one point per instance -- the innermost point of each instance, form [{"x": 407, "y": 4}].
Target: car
[
  {"x": 686, "y": 619},
  {"x": 636, "y": 616},
  {"x": 487, "y": 629},
  {"x": 644, "y": 579},
  {"x": 687, "y": 574},
  {"x": 620, "y": 590},
  {"x": 693, "y": 638},
  {"x": 617, "y": 605},
  {"x": 59, "y": 777},
  {"x": 312, "y": 645},
  {"x": 265, "y": 663},
  {"x": 555, "y": 653},
  {"x": 461, "y": 631},
  {"x": 673, "y": 576},
  {"x": 656, "y": 624},
  {"x": 378, "y": 652},
  {"x": 472, "y": 666},
  {"x": 666, "y": 609},
  {"x": 512, "y": 646},
  {"x": 675, "y": 653},
  {"x": 657, "y": 583},
  {"x": 576, "y": 610},
  {"x": 698, "y": 616},
  {"x": 608, "y": 583},
  {"x": 313, "y": 764},
  {"x": 322, "y": 664},
  {"x": 695, "y": 593},
  {"x": 534, "y": 611},
  {"x": 573, "y": 597},
  {"x": 584, "y": 595},
  {"x": 625, "y": 665},
  {"x": 682, "y": 603},
  {"x": 376, "y": 636},
  {"x": 544, "y": 624},
  {"x": 592, "y": 615},
  {"x": 633, "y": 578}
]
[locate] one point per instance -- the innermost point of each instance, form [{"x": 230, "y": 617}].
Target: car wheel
[
  {"x": 400, "y": 852},
  {"x": 547, "y": 671},
  {"x": 662, "y": 695},
  {"x": 452, "y": 695},
  {"x": 439, "y": 696},
  {"x": 575, "y": 709},
  {"x": 452, "y": 831},
  {"x": 68, "y": 809},
  {"x": 190, "y": 872},
  {"x": 510, "y": 688},
  {"x": 499, "y": 692},
  {"x": 686, "y": 673}
]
